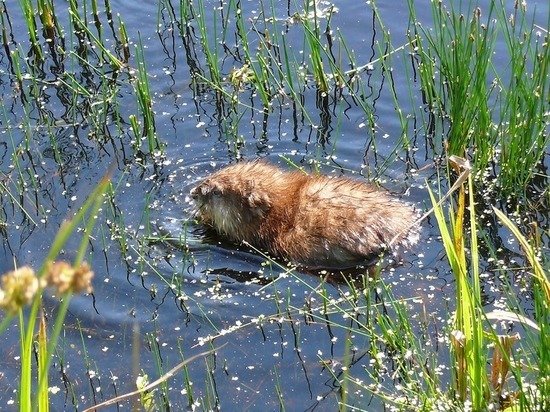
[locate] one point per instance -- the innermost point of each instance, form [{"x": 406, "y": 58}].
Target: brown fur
[{"x": 310, "y": 220}]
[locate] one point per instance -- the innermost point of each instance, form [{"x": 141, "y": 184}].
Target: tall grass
[
  {"x": 312, "y": 35},
  {"x": 147, "y": 131},
  {"x": 248, "y": 59},
  {"x": 536, "y": 349},
  {"x": 85, "y": 70},
  {"x": 85, "y": 57},
  {"x": 46, "y": 13},
  {"x": 522, "y": 126},
  {"x": 29, "y": 13},
  {"x": 281, "y": 60},
  {"x": 516, "y": 378},
  {"x": 210, "y": 51},
  {"x": 467, "y": 336},
  {"x": 32, "y": 394},
  {"x": 497, "y": 113},
  {"x": 472, "y": 335}
]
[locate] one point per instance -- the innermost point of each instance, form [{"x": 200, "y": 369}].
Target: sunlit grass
[
  {"x": 251, "y": 61},
  {"x": 144, "y": 129},
  {"x": 497, "y": 113},
  {"x": 467, "y": 335},
  {"x": 37, "y": 393},
  {"x": 281, "y": 60},
  {"x": 27, "y": 7},
  {"x": 535, "y": 347}
]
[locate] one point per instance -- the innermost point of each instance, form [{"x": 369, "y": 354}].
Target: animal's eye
[{"x": 216, "y": 192}]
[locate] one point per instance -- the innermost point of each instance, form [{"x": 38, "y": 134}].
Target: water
[{"x": 162, "y": 300}]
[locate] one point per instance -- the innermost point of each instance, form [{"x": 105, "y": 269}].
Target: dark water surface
[{"x": 171, "y": 299}]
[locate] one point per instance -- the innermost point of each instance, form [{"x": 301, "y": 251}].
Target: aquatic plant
[
  {"x": 256, "y": 65},
  {"x": 23, "y": 287},
  {"x": 496, "y": 113}
]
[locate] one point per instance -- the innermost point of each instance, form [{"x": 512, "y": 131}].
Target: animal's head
[{"x": 231, "y": 203}]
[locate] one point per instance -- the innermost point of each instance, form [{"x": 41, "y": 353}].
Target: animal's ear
[
  {"x": 205, "y": 189},
  {"x": 259, "y": 203},
  {"x": 199, "y": 191}
]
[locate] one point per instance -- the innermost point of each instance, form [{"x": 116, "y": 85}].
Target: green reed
[
  {"x": 210, "y": 51},
  {"x": 29, "y": 13},
  {"x": 3, "y": 18},
  {"x": 153, "y": 345},
  {"x": 146, "y": 128},
  {"x": 124, "y": 40},
  {"x": 472, "y": 334},
  {"x": 460, "y": 49},
  {"x": 312, "y": 36},
  {"x": 18, "y": 185},
  {"x": 105, "y": 54},
  {"x": 256, "y": 68},
  {"x": 46, "y": 13},
  {"x": 75, "y": 59},
  {"x": 534, "y": 356},
  {"x": 278, "y": 389},
  {"x": 187, "y": 379},
  {"x": 395, "y": 326},
  {"x": 522, "y": 130},
  {"x": 77, "y": 28},
  {"x": 268, "y": 64},
  {"x": 517, "y": 376},
  {"x": 467, "y": 334},
  {"x": 35, "y": 394},
  {"x": 496, "y": 114}
]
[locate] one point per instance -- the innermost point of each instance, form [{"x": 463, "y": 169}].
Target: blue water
[{"x": 184, "y": 294}]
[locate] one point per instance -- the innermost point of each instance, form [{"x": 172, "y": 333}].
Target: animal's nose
[{"x": 194, "y": 192}]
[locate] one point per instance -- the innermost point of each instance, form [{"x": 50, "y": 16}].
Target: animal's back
[
  {"x": 339, "y": 221},
  {"x": 310, "y": 220}
]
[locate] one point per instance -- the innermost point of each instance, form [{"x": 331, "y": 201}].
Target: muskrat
[{"x": 311, "y": 220}]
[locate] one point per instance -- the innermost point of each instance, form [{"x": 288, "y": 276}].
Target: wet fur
[{"x": 311, "y": 220}]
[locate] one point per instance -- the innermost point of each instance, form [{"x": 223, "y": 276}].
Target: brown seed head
[{"x": 19, "y": 287}]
